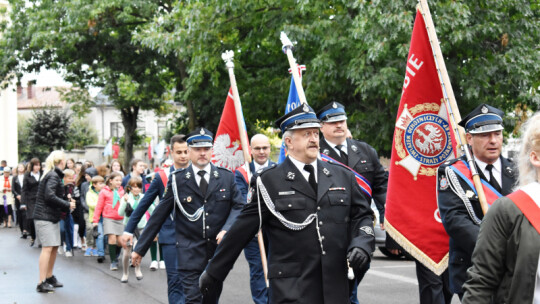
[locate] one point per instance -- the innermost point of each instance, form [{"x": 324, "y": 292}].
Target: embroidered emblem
[
  {"x": 216, "y": 174},
  {"x": 326, "y": 172},
  {"x": 188, "y": 175},
  {"x": 188, "y": 199},
  {"x": 484, "y": 109},
  {"x": 469, "y": 194},
  {"x": 286, "y": 193},
  {"x": 250, "y": 195},
  {"x": 334, "y": 105},
  {"x": 354, "y": 148},
  {"x": 443, "y": 183},
  {"x": 290, "y": 176},
  {"x": 202, "y": 131},
  {"x": 306, "y": 109},
  {"x": 509, "y": 170},
  {"x": 325, "y": 151},
  {"x": 368, "y": 230}
]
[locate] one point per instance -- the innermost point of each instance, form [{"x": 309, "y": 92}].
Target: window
[{"x": 117, "y": 129}]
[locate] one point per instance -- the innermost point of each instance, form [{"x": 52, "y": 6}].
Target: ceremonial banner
[
  {"x": 423, "y": 140},
  {"x": 227, "y": 145},
  {"x": 293, "y": 101},
  {"x": 108, "y": 148}
]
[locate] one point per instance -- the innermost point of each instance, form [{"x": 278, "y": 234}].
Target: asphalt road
[{"x": 86, "y": 281}]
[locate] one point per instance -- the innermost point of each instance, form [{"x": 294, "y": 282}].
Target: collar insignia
[
  {"x": 325, "y": 151},
  {"x": 216, "y": 174},
  {"x": 509, "y": 170},
  {"x": 326, "y": 172},
  {"x": 188, "y": 175},
  {"x": 290, "y": 176},
  {"x": 354, "y": 148},
  {"x": 484, "y": 109},
  {"x": 469, "y": 194}
]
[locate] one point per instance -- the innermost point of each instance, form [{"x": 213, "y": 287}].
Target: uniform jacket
[
  {"x": 195, "y": 241},
  {"x": 459, "y": 224},
  {"x": 156, "y": 190},
  {"x": 363, "y": 159},
  {"x": 49, "y": 198},
  {"x": 505, "y": 259},
  {"x": 29, "y": 192},
  {"x": 16, "y": 188},
  {"x": 105, "y": 205},
  {"x": 299, "y": 270}
]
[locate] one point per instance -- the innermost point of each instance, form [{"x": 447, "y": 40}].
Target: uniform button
[
  {"x": 318, "y": 208},
  {"x": 279, "y": 273},
  {"x": 342, "y": 201},
  {"x": 205, "y": 201},
  {"x": 290, "y": 205},
  {"x": 206, "y": 213},
  {"x": 207, "y": 227},
  {"x": 324, "y": 253},
  {"x": 320, "y": 223},
  {"x": 224, "y": 196},
  {"x": 208, "y": 240},
  {"x": 322, "y": 237}
]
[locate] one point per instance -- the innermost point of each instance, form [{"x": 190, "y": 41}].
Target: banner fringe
[{"x": 437, "y": 268}]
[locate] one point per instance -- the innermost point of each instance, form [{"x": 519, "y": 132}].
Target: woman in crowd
[
  {"x": 70, "y": 164},
  {"x": 29, "y": 192},
  {"x": 48, "y": 209},
  {"x": 18, "y": 182},
  {"x": 506, "y": 257},
  {"x": 108, "y": 204},
  {"x": 116, "y": 166},
  {"x": 8, "y": 201}
]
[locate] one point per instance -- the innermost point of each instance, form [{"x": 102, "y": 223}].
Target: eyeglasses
[{"x": 263, "y": 148}]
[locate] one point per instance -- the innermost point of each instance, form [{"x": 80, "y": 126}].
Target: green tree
[
  {"x": 90, "y": 42},
  {"x": 355, "y": 53},
  {"x": 81, "y": 134},
  {"x": 47, "y": 130}
]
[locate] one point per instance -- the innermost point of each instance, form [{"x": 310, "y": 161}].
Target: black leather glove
[
  {"x": 207, "y": 284},
  {"x": 357, "y": 257}
]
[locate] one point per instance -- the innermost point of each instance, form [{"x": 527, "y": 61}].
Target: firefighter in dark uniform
[
  {"x": 206, "y": 202},
  {"x": 357, "y": 155},
  {"x": 459, "y": 206},
  {"x": 314, "y": 215}
]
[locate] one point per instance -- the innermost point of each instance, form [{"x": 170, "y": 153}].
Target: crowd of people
[{"x": 199, "y": 217}]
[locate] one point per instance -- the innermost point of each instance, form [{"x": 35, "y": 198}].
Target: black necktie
[
  {"x": 492, "y": 180},
  {"x": 311, "y": 179},
  {"x": 203, "y": 185},
  {"x": 343, "y": 155}
]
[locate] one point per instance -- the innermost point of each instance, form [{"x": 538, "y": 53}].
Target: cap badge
[
  {"x": 484, "y": 109},
  {"x": 202, "y": 131},
  {"x": 290, "y": 176},
  {"x": 334, "y": 105},
  {"x": 306, "y": 109}
]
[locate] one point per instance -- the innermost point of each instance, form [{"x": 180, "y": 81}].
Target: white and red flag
[
  {"x": 227, "y": 144},
  {"x": 423, "y": 140}
]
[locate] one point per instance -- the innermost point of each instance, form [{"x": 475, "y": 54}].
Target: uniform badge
[
  {"x": 188, "y": 199},
  {"x": 250, "y": 195},
  {"x": 334, "y": 105},
  {"x": 469, "y": 194},
  {"x": 325, "y": 151},
  {"x": 216, "y": 174},
  {"x": 354, "y": 148},
  {"x": 509, "y": 170},
  {"x": 202, "y": 131},
  {"x": 484, "y": 110},
  {"x": 290, "y": 176},
  {"x": 443, "y": 183},
  {"x": 326, "y": 172},
  {"x": 368, "y": 230},
  {"x": 306, "y": 109},
  {"x": 286, "y": 193},
  {"x": 188, "y": 175}
]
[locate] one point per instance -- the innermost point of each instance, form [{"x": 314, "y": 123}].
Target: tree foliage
[{"x": 48, "y": 130}]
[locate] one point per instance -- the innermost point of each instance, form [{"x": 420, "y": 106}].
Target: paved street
[{"x": 86, "y": 281}]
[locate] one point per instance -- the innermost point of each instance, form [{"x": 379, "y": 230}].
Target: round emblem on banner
[{"x": 427, "y": 139}]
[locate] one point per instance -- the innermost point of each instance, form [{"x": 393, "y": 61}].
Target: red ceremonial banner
[
  {"x": 227, "y": 145},
  {"x": 423, "y": 140}
]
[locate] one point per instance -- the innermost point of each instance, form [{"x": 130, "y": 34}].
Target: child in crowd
[
  {"x": 96, "y": 184},
  {"x": 107, "y": 205},
  {"x": 66, "y": 224},
  {"x": 128, "y": 204}
]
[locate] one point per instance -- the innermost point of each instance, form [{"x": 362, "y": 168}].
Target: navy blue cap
[
  {"x": 302, "y": 117},
  {"x": 200, "y": 137},
  {"x": 483, "y": 119},
  {"x": 333, "y": 111}
]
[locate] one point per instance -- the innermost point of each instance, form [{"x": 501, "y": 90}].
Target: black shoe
[
  {"x": 25, "y": 235},
  {"x": 100, "y": 259},
  {"x": 45, "y": 287},
  {"x": 32, "y": 243},
  {"x": 54, "y": 282}
]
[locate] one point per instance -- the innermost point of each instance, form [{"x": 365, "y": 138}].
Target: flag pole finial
[{"x": 228, "y": 57}]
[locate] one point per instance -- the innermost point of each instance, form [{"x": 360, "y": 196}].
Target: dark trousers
[
  {"x": 190, "y": 282},
  {"x": 31, "y": 228},
  {"x": 433, "y": 289},
  {"x": 175, "y": 291},
  {"x": 252, "y": 253},
  {"x": 21, "y": 219}
]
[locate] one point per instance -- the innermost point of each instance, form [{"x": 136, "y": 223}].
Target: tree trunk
[
  {"x": 192, "y": 120},
  {"x": 129, "y": 120}
]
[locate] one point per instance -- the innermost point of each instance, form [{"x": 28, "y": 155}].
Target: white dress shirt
[
  {"x": 300, "y": 165},
  {"x": 196, "y": 170},
  {"x": 496, "y": 170},
  {"x": 343, "y": 149}
]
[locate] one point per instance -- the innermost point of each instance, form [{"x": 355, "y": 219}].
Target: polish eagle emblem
[{"x": 227, "y": 154}]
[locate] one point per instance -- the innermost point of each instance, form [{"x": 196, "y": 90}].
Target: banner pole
[
  {"x": 228, "y": 57},
  {"x": 450, "y": 100},
  {"x": 287, "y": 48}
]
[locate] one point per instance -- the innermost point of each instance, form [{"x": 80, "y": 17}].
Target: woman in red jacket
[{"x": 107, "y": 205}]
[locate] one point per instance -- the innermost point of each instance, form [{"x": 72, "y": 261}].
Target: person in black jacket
[
  {"x": 29, "y": 190},
  {"x": 47, "y": 213},
  {"x": 18, "y": 181}
]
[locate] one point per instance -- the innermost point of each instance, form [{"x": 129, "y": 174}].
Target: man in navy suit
[
  {"x": 260, "y": 151},
  {"x": 205, "y": 202},
  {"x": 167, "y": 240}
]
